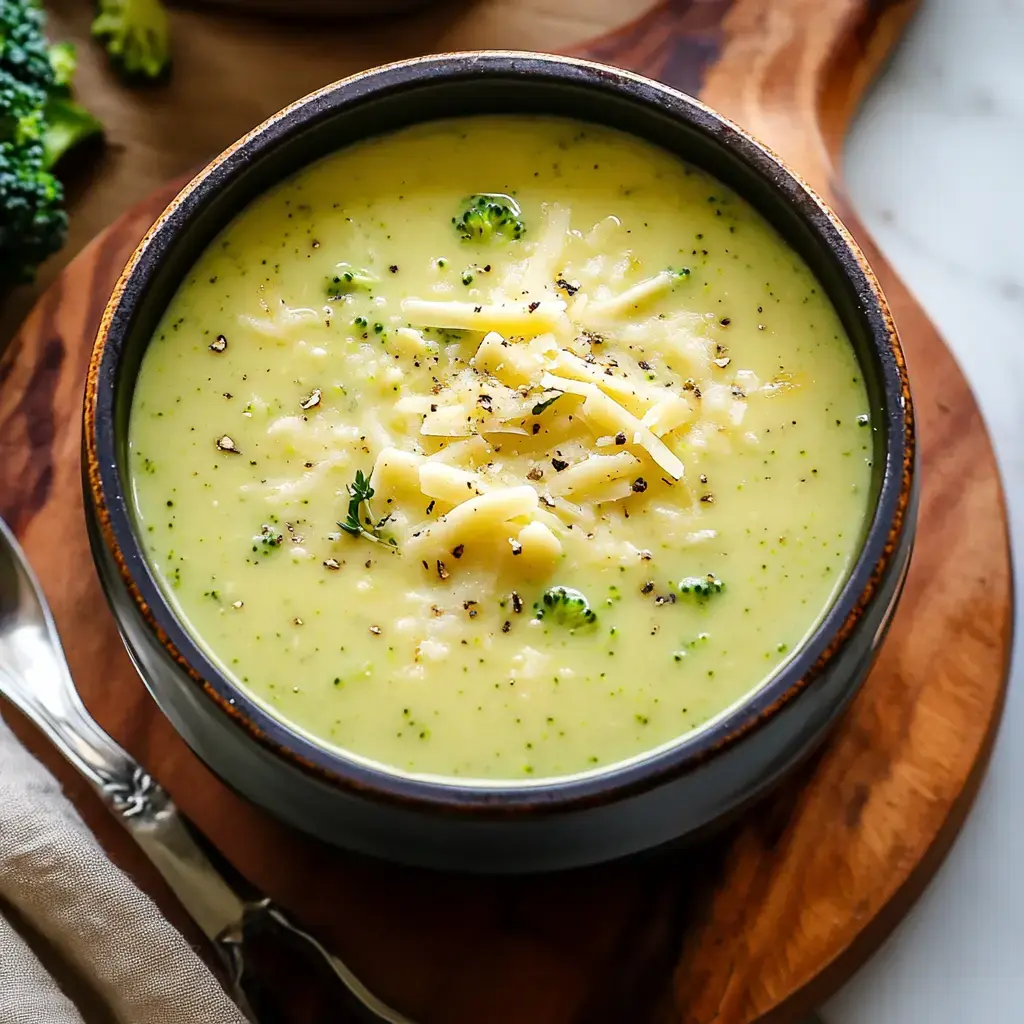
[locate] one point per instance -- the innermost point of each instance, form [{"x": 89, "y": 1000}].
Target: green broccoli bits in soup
[
  {"x": 488, "y": 218},
  {"x": 567, "y": 607},
  {"x": 500, "y": 448}
]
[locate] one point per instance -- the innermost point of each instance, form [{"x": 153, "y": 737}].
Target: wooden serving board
[{"x": 769, "y": 919}]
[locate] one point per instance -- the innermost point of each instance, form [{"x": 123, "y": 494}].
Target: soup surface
[{"x": 500, "y": 448}]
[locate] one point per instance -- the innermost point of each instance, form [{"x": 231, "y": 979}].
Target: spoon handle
[{"x": 35, "y": 677}]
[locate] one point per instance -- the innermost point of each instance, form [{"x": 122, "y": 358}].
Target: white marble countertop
[{"x": 935, "y": 165}]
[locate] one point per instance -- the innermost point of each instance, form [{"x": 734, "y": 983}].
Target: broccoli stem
[
  {"x": 136, "y": 36},
  {"x": 67, "y": 124}
]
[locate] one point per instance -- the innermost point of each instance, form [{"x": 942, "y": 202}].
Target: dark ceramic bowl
[{"x": 504, "y": 827}]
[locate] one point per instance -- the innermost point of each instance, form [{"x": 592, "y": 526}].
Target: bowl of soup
[{"x": 499, "y": 462}]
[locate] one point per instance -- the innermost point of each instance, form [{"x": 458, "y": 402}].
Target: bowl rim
[{"x": 108, "y": 502}]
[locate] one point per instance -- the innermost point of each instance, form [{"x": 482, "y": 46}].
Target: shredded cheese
[
  {"x": 538, "y": 548},
  {"x": 632, "y": 298},
  {"x": 539, "y": 274},
  {"x": 528, "y": 318},
  {"x": 607, "y": 416},
  {"x": 512, "y": 363},
  {"x": 634, "y": 393},
  {"x": 593, "y": 473},
  {"x": 396, "y": 472},
  {"x": 409, "y": 342},
  {"x": 480, "y": 521},
  {"x": 281, "y": 323},
  {"x": 668, "y": 415},
  {"x": 578, "y": 370},
  {"x": 449, "y": 483}
]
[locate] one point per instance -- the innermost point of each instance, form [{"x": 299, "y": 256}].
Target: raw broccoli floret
[
  {"x": 488, "y": 217},
  {"x": 701, "y": 587},
  {"x": 567, "y": 607},
  {"x": 33, "y": 223},
  {"x": 64, "y": 62},
  {"x": 136, "y": 35},
  {"x": 346, "y": 279},
  {"x": 24, "y": 52}
]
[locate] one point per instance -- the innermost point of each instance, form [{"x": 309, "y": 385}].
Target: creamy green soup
[{"x": 500, "y": 448}]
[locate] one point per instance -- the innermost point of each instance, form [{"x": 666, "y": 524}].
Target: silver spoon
[{"x": 34, "y": 676}]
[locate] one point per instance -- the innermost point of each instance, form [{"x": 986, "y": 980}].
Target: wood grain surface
[{"x": 769, "y": 919}]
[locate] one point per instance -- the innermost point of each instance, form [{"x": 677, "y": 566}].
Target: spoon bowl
[{"x": 34, "y": 676}]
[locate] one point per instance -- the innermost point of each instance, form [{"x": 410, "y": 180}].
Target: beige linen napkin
[{"x": 109, "y": 933}]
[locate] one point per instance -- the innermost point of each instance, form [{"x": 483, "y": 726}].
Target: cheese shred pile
[{"x": 570, "y": 390}]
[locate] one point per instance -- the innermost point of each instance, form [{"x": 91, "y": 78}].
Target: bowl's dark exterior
[{"x": 547, "y": 825}]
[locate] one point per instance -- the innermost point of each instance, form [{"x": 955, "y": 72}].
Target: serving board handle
[{"x": 792, "y": 72}]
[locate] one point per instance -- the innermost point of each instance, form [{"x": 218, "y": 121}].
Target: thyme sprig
[{"x": 360, "y": 492}]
